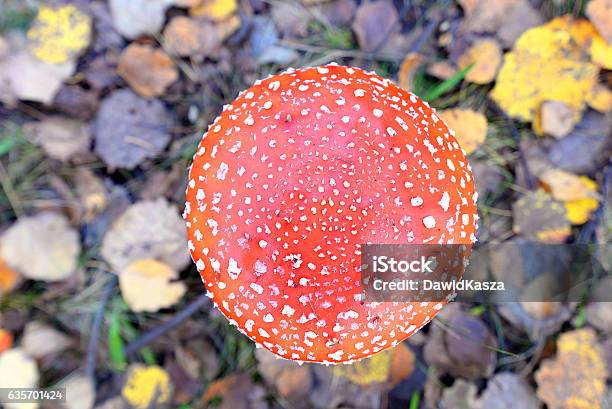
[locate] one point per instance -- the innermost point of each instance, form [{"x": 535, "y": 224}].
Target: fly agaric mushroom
[{"x": 288, "y": 183}]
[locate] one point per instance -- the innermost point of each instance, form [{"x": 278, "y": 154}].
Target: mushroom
[{"x": 288, "y": 183}]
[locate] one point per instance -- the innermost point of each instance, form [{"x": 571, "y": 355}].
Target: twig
[
  {"x": 197, "y": 304},
  {"x": 94, "y": 338}
]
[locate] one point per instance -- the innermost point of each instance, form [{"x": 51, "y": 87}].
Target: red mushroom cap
[{"x": 289, "y": 181}]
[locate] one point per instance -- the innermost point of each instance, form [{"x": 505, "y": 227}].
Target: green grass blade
[
  {"x": 115, "y": 343},
  {"x": 415, "y": 399},
  {"x": 446, "y": 85}
]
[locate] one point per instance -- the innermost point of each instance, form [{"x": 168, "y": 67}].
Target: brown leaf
[
  {"x": 556, "y": 119},
  {"x": 506, "y": 390},
  {"x": 236, "y": 391},
  {"x": 42, "y": 247},
  {"x": 147, "y": 229},
  {"x": 441, "y": 69},
  {"x": 290, "y": 379},
  {"x": 408, "y": 69},
  {"x": 291, "y": 19},
  {"x": 485, "y": 56},
  {"x": 600, "y": 14},
  {"x": 374, "y": 23},
  {"x": 576, "y": 377},
  {"x": 537, "y": 216},
  {"x": 149, "y": 71},
  {"x": 186, "y": 36},
  {"x": 403, "y": 363},
  {"x": 61, "y": 138},
  {"x": 130, "y": 129},
  {"x": 566, "y": 186},
  {"x": 600, "y": 98}
]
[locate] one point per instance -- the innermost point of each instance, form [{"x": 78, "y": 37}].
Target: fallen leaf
[
  {"x": 130, "y": 129},
  {"x": 80, "y": 386},
  {"x": 600, "y": 98},
  {"x": 461, "y": 344},
  {"x": 226, "y": 28},
  {"x": 236, "y": 391},
  {"x": 462, "y": 395},
  {"x": 24, "y": 77},
  {"x": 61, "y": 138},
  {"x": 40, "y": 340},
  {"x": 599, "y": 315},
  {"x": 579, "y": 211},
  {"x": 148, "y": 285},
  {"x": 565, "y": 186},
  {"x": 338, "y": 13},
  {"x": 133, "y": 18},
  {"x": 576, "y": 377},
  {"x": 410, "y": 66},
  {"x": 369, "y": 371},
  {"x": 59, "y": 34},
  {"x": 374, "y": 23},
  {"x": 537, "y": 216},
  {"x": 9, "y": 278},
  {"x": 403, "y": 364},
  {"x": 6, "y": 340},
  {"x": 149, "y": 71},
  {"x": 183, "y": 37},
  {"x": 290, "y": 379},
  {"x": 291, "y": 19},
  {"x": 470, "y": 127},
  {"x": 146, "y": 386},
  {"x": 216, "y": 10},
  {"x": 506, "y": 390},
  {"x": 18, "y": 370},
  {"x": 586, "y": 149},
  {"x": 600, "y": 14},
  {"x": 520, "y": 18},
  {"x": 91, "y": 193},
  {"x": 42, "y": 247},
  {"x": 547, "y": 63},
  {"x": 77, "y": 102},
  {"x": 441, "y": 69},
  {"x": 147, "y": 229},
  {"x": 264, "y": 43},
  {"x": 485, "y": 57},
  {"x": 555, "y": 118}
]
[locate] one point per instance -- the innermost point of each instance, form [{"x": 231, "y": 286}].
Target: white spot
[
  {"x": 222, "y": 171},
  {"x": 429, "y": 222},
  {"x": 232, "y": 269},
  {"x": 359, "y": 92},
  {"x": 263, "y": 244},
  {"x": 267, "y": 105},
  {"x": 268, "y": 318},
  {"x": 274, "y": 85},
  {"x": 445, "y": 201},
  {"x": 263, "y": 333},
  {"x": 257, "y": 288},
  {"x": 416, "y": 201},
  {"x": 288, "y": 311},
  {"x": 377, "y": 112}
]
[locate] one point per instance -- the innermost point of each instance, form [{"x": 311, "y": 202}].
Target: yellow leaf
[
  {"x": 600, "y": 98},
  {"x": 566, "y": 186},
  {"x": 601, "y": 53},
  {"x": 548, "y": 62},
  {"x": 470, "y": 127},
  {"x": 59, "y": 34},
  {"x": 372, "y": 370},
  {"x": 146, "y": 285},
  {"x": 215, "y": 9},
  {"x": 579, "y": 211},
  {"x": 146, "y": 386},
  {"x": 9, "y": 278},
  {"x": 486, "y": 57}
]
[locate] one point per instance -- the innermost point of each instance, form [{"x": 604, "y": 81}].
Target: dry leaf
[
  {"x": 291, "y": 19},
  {"x": 576, "y": 377},
  {"x": 579, "y": 211},
  {"x": 600, "y": 14},
  {"x": 236, "y": 391},
  {"x": 485, "y": 56},
  {"x": 133, "y": 18},
  {"x": 91, "y": 193},
  {"x": 548, "y": 62},
  {"x": 9, "y": 278},
  {"x": 216, "y": 10},
  {"x": 374, "y": 23},
  {"x": 556, "y": 118},
  {"x": 519, "y": 19},
  {"x": 40, "y": 340},
  {"x": 403, "y": 364},
  {"x": 61, "y": 138},
  {"x": 470, "y": 127},
  {"x": 369, "y": 371},
  {"x": 18, "y": 370},
  {"x": 182, "y": 36},
  {"x": 290, "y": 379},
  {"x": 147, "y": 229},
  {"x": 148, "y": 285},
  {"x": 24, "y": 77},
  {"x": 130, "y": 129},
  {"x": 537, "y": 216},
  {"x": 600, "y": 98},
  {"x": 566, "y": 186},
  {"x": 441, "y": 69},
  {"x": 149, "y": 71},
  {"x": 82, "y": 387},
  {"x": 6, "y": 340},
  {"x": 146, "y": 387},
  {"x": 462, "y": 395},
  {"x": 42, "y": 247},
  {"x": 408, "y": 69},
  {"x": 506, "y": 390},
  {"x": 59, "y": 34},
  {"x": 224, "y": 29}
]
